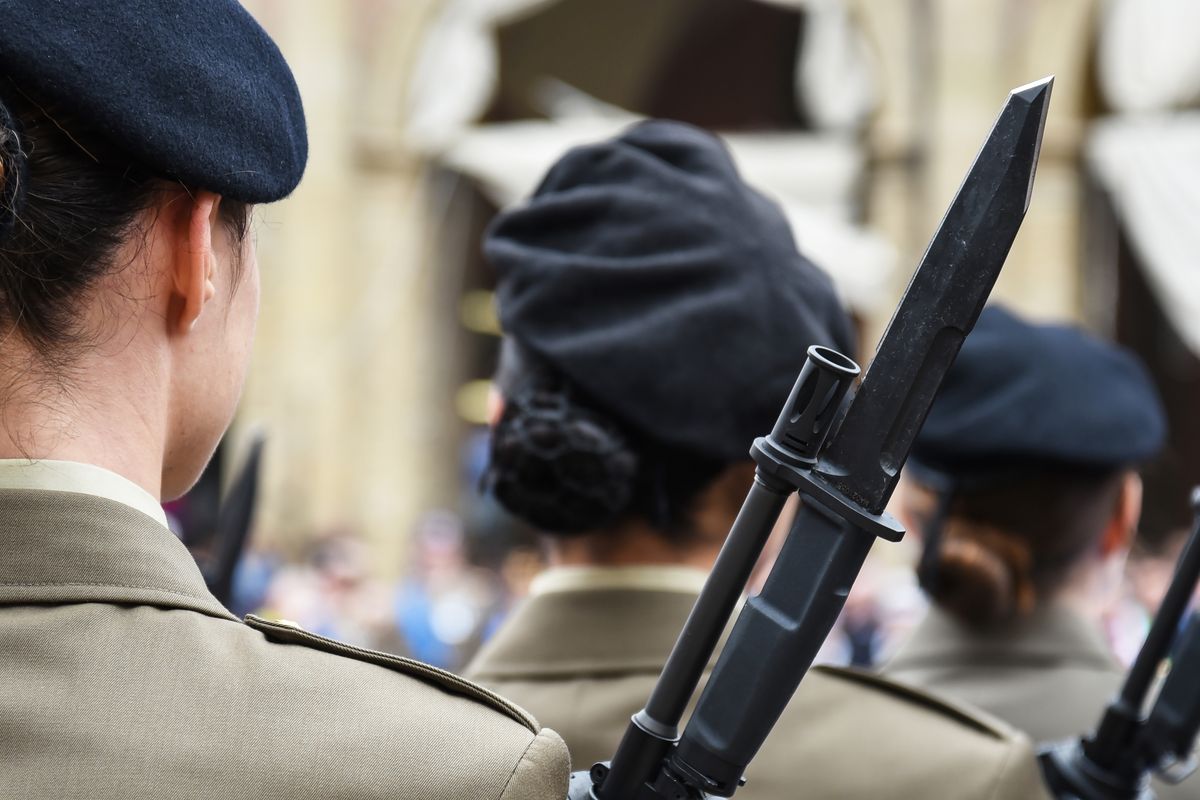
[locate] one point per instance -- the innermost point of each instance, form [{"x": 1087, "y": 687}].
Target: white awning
[
  {"x": 455, "y": 73},
  {"x": 1151, "y": 168},
  {"x": 814, "y": 176}
]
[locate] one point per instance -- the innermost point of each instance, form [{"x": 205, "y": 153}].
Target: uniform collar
[
  {"x": 661, "y": 578},
  {"x": 1052, "y": 635},
  {"x": 586, "y": 631},
  {"x": 64, "y": 547},
  {"x": 72, "y": 476}
]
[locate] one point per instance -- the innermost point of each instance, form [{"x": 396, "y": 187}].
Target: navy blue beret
[
  {"x": 193, "y": 89},
  {"x": 1023, "y": 396},
  {"x": 649, "y": 274}
]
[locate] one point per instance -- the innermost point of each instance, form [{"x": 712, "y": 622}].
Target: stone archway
[{"x": 344, "y": 372}]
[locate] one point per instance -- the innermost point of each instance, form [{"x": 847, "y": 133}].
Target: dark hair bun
[
  {"x": 559, "y": 465},
  {"x": 983, "y": 578}
]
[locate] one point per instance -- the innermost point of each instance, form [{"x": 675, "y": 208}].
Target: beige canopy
[
  {"x": 814, "y": 176},
  {"x": 1147, "y": 157}
]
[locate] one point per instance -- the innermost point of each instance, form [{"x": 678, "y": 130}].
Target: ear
[
  {"x": 194, "y": 263},
  {"x": 495, "y": 405},
  {"x": 906, "y": 506},
  {"x": 1118, "y": 534}
]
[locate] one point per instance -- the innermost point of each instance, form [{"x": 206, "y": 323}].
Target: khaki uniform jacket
[
  {"x": 586, "y": 660},
  {"x": 1050, "y": 675},
  {"x": 122, "y": 677}
]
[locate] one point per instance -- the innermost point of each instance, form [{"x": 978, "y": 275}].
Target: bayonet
[
  {"x": 844, "y": 489},
  {"x": 945, "y": 296}
]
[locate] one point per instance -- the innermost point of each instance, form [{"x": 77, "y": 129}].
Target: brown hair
[
  {"x": 1004, "y": 549},
  {"x": 81, "y": 201}
]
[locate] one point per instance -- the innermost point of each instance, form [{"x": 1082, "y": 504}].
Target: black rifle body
[{"x": 844, "y": 489}]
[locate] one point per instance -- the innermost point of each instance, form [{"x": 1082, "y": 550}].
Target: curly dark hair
[{"x": 568, "y": 467}]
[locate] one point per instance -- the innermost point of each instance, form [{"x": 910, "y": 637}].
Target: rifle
[
  {"x": 1116, "y": 761},
  {"x": 844, "y": 488},
  {"x": 234, "y": 521}
]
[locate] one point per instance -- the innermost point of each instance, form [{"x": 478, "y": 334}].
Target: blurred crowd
[
  {"x": 458, "y": 589},
  {"x": 439, "y": 612}
]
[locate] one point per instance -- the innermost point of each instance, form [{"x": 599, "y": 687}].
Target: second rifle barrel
[
  {"x": 1166, "y": 621},
  {"x": 1169, "y": 735}
]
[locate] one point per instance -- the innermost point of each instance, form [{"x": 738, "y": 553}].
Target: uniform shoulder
[
  {"x": 357, "y": 712},
  {"x": 288, "y": 633},
  {"x": 855, "y": 734},
  {"x": 889, "y": 690}
]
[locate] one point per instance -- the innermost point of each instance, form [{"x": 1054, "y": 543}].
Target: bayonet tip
[
  {"x": 1035, "y": 90},
  {"x": 1036, "y": 96}
]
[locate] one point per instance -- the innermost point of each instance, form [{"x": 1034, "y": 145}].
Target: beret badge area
[{"x": 14, "y": 171}]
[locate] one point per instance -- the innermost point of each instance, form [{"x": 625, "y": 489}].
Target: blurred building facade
[
  {"x": 374, "y": 321},
  {"x": 349, "y": 377},
  {"x": 944, "y": 67}
]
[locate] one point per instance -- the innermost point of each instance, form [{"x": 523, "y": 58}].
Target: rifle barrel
[
  {"x": 721, "y": 593},
  {"x": 1166, "y": 622},
  {"x": 1171, "y": 727},
  {"x": 1111, "y": 742},
  {"x": 772, "y": 645},
  {"x": 793, "y": 444},
  {"x": 1116, "y": 760}
]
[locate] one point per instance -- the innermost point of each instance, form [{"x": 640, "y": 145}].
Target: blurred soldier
[
  {"x": 135, "y": 135},
  {"x": 657, "y": 313},
  {"x": 1023, "y": 483}
]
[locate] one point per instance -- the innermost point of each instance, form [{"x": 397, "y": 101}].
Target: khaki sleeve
[
  {"x": 1020, "y": 777},
  {"x": 543, "y": 771}
]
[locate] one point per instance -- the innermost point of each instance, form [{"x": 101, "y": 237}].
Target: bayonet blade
[{"x": 940, "y": 306}]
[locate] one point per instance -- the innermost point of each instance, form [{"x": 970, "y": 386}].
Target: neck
[
  {"x": 96, "y": 420},
  {"x": 1091, "y": 589},
  {"x": 633, "y": 544}
]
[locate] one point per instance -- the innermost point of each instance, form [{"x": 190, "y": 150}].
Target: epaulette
[
  {"x": 291, "y": 633},
  {"x": 960, "y": 712}
]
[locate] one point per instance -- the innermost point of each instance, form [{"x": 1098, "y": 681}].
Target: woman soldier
[
  {"x": 136, "y": 135},
  {"x": 656, "y": 313},
  {"x": 1023, "y": 482}
]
